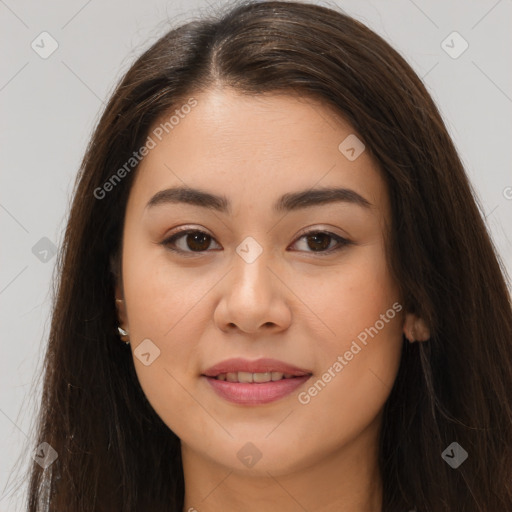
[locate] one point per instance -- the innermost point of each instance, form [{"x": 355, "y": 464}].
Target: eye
[
  {"x": 195, "y": 241},
  {"x": 322, "y": 242}
]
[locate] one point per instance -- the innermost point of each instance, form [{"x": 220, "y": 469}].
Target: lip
[
  {"x": 254, "y": 393},
  {"x": 258, "y": 366}
]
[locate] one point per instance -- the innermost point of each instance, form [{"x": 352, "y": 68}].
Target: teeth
[
  {"x": 253, "y": 377},
  {"x": 245, "y": 377},
  {"x": 262, "y": 377}
]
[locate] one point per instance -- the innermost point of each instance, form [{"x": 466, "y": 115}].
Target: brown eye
[
  {"x": 195, "y": 241},
  {"x": 198, "y": 241},
  {"x": 189, "y": 241},
  {"x": 322, "y": 242},
  {"x": 319, "y": 241}
]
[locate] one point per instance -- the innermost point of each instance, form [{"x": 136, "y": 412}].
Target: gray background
[{"x": 49, "y": 107}]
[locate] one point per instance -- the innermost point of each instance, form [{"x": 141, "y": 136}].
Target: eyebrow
[{"x": 288, "y": 202}]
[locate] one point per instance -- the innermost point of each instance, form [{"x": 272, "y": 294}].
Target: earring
[{"x": 123, "y": 334}]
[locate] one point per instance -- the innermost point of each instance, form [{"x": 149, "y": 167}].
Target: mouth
[
  {"x": 254, "y": 377},
  {"x": 245, "y": 382}
]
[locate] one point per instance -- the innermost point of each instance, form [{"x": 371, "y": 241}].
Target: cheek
[
  {"x": 355, "y": 296},
  {"x": 159, "y": 295},
  {"x": 164, "y": 306},
  {"x": 359, "y": 361}
]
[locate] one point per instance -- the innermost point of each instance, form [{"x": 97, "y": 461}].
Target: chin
[{"x": 258, "y": 456}]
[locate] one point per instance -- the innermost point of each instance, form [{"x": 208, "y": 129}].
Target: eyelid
[
  {"x": 342, "y": 241},
  {"x": 183, "y": 231},
  {"x": 318, "y": 228}
]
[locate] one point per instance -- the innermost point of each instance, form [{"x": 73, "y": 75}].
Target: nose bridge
[
  {"x": 250, "y": 299},
  {"x": 252, "y": 278}
]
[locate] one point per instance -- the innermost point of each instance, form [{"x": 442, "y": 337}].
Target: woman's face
[{"x": 249, "y": 283}]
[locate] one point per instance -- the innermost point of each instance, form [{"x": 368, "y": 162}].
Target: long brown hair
[{"x": 114, "y": 452}]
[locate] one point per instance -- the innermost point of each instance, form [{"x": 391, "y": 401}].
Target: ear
[
  {"x": 415, "y": 328},
  {"x": 121, "y": 307},
  {"x": 119, "y": 294}
]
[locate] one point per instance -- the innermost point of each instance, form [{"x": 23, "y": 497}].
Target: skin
[{"x": 291, "y": 304}]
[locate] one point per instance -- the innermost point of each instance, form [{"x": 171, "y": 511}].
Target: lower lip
[{"x": 247, "y": 393}]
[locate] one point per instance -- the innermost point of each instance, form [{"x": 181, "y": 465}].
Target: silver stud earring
[{"x": 123, "y": 334}]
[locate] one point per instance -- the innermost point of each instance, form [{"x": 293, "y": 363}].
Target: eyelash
[{"x": 170, "y": 241}]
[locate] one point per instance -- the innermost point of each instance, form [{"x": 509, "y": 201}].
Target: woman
[{"x": 273, "y": 219}]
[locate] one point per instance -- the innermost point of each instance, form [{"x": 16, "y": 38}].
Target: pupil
[
  {"x": 197, "y": 238},
  {"x": 324, "y": 241}
]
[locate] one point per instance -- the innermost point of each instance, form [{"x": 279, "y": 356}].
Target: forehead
[{"x": 255, "y": 149}]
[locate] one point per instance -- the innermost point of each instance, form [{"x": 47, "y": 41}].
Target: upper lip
[{"x": 262, "y": 365}]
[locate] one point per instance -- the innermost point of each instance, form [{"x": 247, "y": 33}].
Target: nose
[{"x": 253, "y": 298}]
